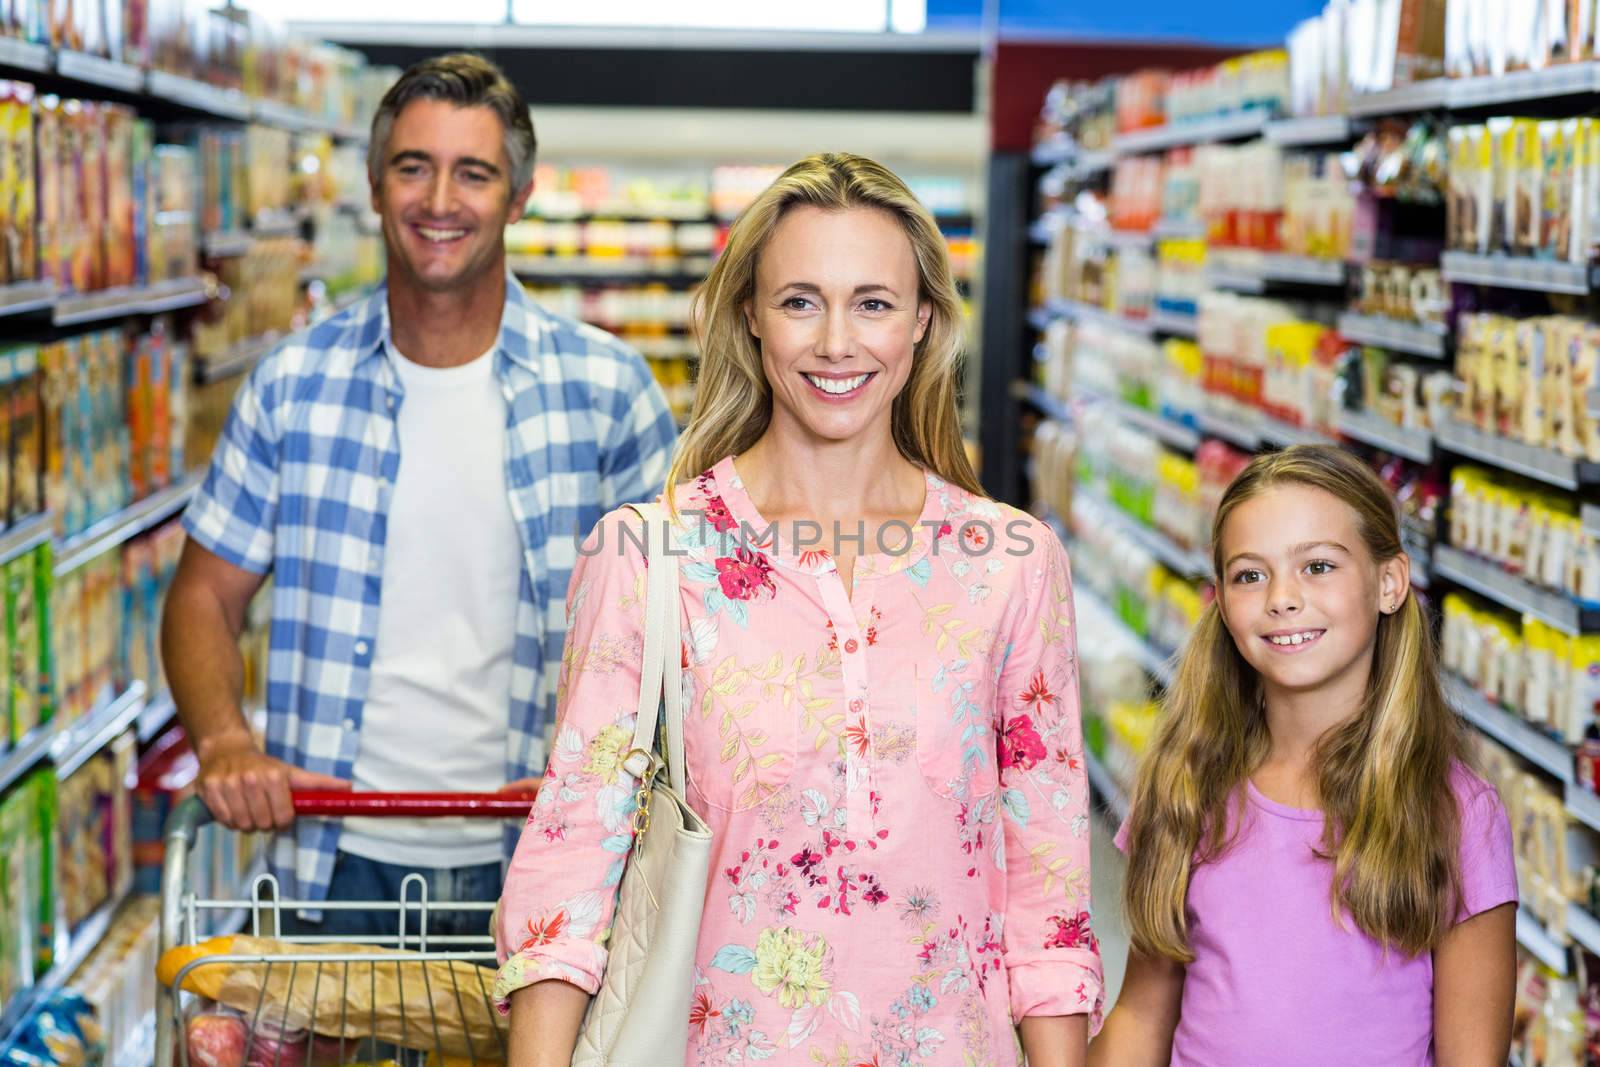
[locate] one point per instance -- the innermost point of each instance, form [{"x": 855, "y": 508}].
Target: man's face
[{"x": 445, "y": 194}]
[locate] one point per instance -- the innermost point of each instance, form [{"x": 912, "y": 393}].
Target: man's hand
[{"x": 249, "y": 790}]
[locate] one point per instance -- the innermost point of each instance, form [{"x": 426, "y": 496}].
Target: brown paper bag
[{"x": 431, "y": 1005}]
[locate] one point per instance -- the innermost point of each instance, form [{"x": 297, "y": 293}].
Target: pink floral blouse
[{"x": 893, "y": 775}]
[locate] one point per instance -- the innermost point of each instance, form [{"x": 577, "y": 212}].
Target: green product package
[
  {"x": 44, "y": 581},
  {"x": 22, "y": 637},
  {"x": 44, "y": 902}
]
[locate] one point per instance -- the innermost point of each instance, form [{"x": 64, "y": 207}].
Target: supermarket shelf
[
  {"x": 1276, "y": 432},
  {"x": 1179, "y": 230},
  {"x": 140, "y": 1049},
  {"x": 1093, "y": 163},
  {"x": 1054, "y": 151},
  {"x": 157, "y": 713},
  {"x": 82, "y": 942},
  {"x": 1423, "y": 96},
  {"x": 104, "y": 73},
  {"x": 1379, "y": 432},
  {"x": 1583, "y": 805},
  {"x": 1510, "y": 591},
  {"x": 25, "y": 536},
  {"x": 1178, "y": 325},
  {"x": 1088, "y": 313},
  {"x": 131, "y": 300},
  {"x": 1310, "y": 130},
  {"x": 225, "y": 245},
  {"x": 1512, "y": 272},
  {"x": 1303, "y": 270},
  {"x": 1592, "y": 402},
  {"x": 22, "y": 759},
  {"x": 1157, "y": 664},
  {"x": 609, "y": 268},
  {"x": 1591, "y": 519},
  {"x": 1380, "y": 331},
  {"x": 1235, "y": 279},
  {"x": 1105, "y": 787},
  {"x": 197, "y": 95},
  {"x": 1562, "y": 79},
  {"x": 19, "y": 298},
  {"x": 1168, "y": 431},
  {"x": 1583, "y": 928},
  {"x": 1185, "y": 562},
  {"x": 663, "y": 347},
  {"x": 1526, "y": 740},
  {"x": 1130, "y": 240},
  {"x": 24, "y": 55},
  {"x": 236, "y": 359},
  {"x": 128, "y": 523},
  {"x": 1537, "y": 939},
  {"x": 1042, "y": 401},
  {"x": 80, "y": 742},
  {"x": 1541, "y": 464},
  {"x": 1234, "y": 430},
  {"x": 1198, "y": 131}
]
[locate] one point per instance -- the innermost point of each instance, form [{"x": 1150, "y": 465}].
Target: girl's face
[
  {"x": 837, "y": 314},
  {"x": 1300, "y": 593}
]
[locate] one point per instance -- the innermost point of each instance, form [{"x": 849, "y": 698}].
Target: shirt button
[
  {"x": 390, "y": 403},
  {"x": 857, "y": 704},
  {"x": 350, "y": 724},
  {"x": 361, "y": 648},
  {"x": 850, "y": 645}
]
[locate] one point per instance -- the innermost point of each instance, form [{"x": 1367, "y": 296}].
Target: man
[{"x": 415, "y": 473}]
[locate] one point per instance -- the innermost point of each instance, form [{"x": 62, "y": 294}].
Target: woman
[{"x": 883, "y": 728}]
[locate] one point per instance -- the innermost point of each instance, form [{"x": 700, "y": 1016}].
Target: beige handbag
[{"x": 640, "y": 1016}]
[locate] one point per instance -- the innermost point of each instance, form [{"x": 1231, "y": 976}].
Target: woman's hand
[{"x": 545, "y": 1019}]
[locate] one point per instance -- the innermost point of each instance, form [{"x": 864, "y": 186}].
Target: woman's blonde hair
[
  {"x": 732, "y": 398},
  {"x": 1390, "y": 823}
]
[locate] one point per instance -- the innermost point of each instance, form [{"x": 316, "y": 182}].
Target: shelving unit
[
  {"x": 1379, "y": 432},
  {"x": 1510, "y": 591},
  {"x": 1397, "y": 336},
  {"x": 1540, "y": 464},
  {"x": 1538, "y": 748}
]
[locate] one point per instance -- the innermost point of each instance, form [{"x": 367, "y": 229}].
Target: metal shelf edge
[
  {"x": 1537, "y": 939},
  {"x": 1509, "y": 590},
  {"x": 125, "y": 524},
  {"x": 1369, "y": 429},
  {"x": 1508, "y": 730},
  {"x": 80, "y": 742}
]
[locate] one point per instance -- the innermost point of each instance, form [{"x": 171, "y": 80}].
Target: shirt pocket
[
  {"x": 953, "y": 707},
  {"x": 740, "y": 747}
]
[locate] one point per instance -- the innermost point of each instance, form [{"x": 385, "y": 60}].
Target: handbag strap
[{"x": 661, "y": 674}]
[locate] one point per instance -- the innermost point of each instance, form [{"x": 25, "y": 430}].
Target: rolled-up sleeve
[
  {"x": 234, "y": 510},
  {"x": 561, "y": 888},
  {"x": 1052, "y": 957}
]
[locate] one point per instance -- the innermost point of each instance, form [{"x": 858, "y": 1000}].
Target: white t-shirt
[{"x": 438, "y": 704}]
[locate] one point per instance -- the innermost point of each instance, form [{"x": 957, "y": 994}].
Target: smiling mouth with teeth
[
  {"x": 838, "y": 386},
  {"x": 440, "y": 235},
  {"x": 1294, "y": 640}
]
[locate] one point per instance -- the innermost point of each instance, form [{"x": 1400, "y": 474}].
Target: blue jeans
[{"x": 356, "y": 878}]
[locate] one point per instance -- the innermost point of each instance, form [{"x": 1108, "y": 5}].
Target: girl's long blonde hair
[
  {"x": 732, "y": 398},
  {"x": 1383, "y": 777}
]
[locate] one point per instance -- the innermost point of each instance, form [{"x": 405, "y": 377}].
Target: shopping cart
[{"x": 447, "y": 967}]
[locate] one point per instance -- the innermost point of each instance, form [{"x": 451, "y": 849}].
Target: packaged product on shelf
[
  {"x": 18, "y": 189},
  {"x": 1526, "y": 379},
  {"x": 22, "y": 637},
  {"x": 115, "y": 979},
  {"x": 94, "y": 831},
  {"x": 121, "y": 260},
  {"x": 25, "y": 436},
  {"x": 173, "y": 226},
  {"x": 141, "y": 154}
]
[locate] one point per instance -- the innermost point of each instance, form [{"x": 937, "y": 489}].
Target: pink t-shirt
[{"x": 1276, "y": 981}]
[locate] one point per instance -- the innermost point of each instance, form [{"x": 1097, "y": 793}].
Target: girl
[{"x": 1314, "y": 877}]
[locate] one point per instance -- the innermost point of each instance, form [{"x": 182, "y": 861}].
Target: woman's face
[{"x": 837, "y": 315}]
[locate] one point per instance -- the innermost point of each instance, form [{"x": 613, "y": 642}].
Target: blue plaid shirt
[{"x": 300, "y": 487}]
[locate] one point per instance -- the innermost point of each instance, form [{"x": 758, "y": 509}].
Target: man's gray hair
[{"x": 465, "y": 80}]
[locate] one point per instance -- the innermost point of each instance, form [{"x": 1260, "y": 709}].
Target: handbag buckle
[{"x": 641, "y": 813}]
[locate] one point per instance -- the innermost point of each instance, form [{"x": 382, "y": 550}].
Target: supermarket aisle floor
[{"x": 1106, "y": 869}]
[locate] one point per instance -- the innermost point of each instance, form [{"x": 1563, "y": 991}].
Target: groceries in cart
[{"x": 263, "y": 1002}]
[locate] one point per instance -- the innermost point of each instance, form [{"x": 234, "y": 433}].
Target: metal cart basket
[{"x": 403, "y": 981}]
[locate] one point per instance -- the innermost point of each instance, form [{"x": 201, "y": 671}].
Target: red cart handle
[{"x": 478, "y": 805}]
